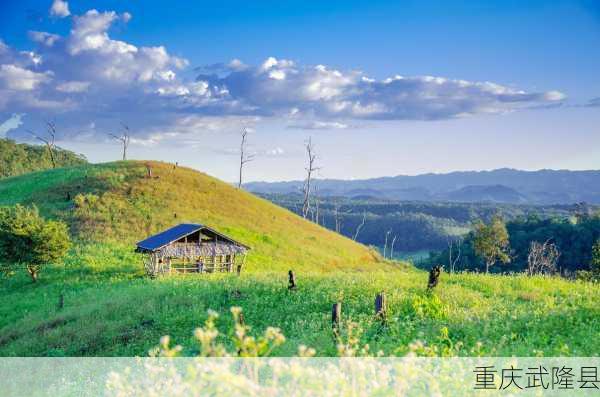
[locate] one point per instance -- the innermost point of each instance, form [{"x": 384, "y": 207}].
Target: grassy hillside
[
  {"x": 21, "y": 158},
  {"x": 119, "y": 203},
  {"x": 112, "y": 309}
]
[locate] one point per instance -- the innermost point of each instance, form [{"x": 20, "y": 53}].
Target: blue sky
[{"x": 483, "y": 84}]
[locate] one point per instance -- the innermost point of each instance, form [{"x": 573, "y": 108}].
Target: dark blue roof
[{"x": 168, "y": 236}]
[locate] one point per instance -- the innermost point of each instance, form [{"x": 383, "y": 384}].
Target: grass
[{"x": 112, "y": 309}]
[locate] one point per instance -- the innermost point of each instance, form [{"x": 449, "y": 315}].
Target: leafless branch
[{"x": 542, "y": 257}]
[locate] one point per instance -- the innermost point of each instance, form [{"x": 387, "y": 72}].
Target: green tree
[
  {"x": 28, "y": 240},
  {"x": 491, "y": 242}
]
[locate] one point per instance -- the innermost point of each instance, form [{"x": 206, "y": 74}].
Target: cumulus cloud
[
  {"x": 89, "y": 76},
  {"x": 60, "y": 9}
]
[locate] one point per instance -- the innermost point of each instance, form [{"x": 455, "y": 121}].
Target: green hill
[
  {"x": 119, "y": 203},
  {"x": 111, "y": 308},
  {"x": 20, "y": 158}
]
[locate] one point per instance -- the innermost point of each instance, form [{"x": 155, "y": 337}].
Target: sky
[{"x": 381, "y": 88}]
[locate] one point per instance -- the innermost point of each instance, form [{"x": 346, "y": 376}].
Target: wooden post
[
  {"x": 292, "y": 281},
  {"x": 381, "y": 306},
  {"x": 336, "y": 318}
]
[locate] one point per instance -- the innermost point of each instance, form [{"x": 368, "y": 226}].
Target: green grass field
[{"x": 112, "y": 309}]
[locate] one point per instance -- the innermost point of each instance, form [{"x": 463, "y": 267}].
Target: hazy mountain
[{"x": 503, "y": 185}]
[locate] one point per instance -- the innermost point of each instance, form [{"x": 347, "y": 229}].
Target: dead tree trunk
[
  {"x": 124, "y": 138},
  {"x": 310, "y": 169},
  {"x": 385, "y": 244},
  {"x": 49, "y": 141},
  {"x": 392, "y": 247},
  {"x": 360, "y": 226},
  {"x": 244, "y": 156}
]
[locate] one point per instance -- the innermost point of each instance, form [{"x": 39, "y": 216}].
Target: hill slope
[
  {"x": 20, "y": 158},
  {"x": 120, "y": 203}
]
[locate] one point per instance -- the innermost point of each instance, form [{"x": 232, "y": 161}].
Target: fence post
[
  {"x": 381, "y": 306},
  {"x": 336, "y": 318}
]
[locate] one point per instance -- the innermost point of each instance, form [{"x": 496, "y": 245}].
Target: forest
[{"x": 419, "y": 225}]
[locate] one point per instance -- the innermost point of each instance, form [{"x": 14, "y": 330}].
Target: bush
[{"x": 29, "y": 241}]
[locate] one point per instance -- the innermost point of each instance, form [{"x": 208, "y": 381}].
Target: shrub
[{"x": 28, "y": 240}]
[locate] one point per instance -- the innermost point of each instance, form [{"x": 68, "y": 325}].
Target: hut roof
[{"x": 157, "y": 241}]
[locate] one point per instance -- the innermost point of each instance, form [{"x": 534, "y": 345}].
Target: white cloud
[
  {"x": 319, "y": 125},
  {"x": 14, "y": 77},
  {"x": 11, "y": 123},
  {"x": 45, "y": 38},
  {"x": 274, "y": 152},
  {"x": 60, "y": 9},
  {"x": 116, "y": 80},
  {"x": 73, "y": 86}
]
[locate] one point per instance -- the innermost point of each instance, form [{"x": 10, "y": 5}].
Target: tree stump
[
  {"x": 434, "y": 277},
  {"x": 292, "y": 281},
  {"x": 381, "y": 307}
]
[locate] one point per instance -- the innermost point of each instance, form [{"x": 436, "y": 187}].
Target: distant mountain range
[{"x": 503, "y": 185}]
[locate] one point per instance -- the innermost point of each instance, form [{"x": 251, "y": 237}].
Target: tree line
[{"x": 567, "y": 246}]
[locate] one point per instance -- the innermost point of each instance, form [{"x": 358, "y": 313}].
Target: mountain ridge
[{"x": 544, "y": 186}]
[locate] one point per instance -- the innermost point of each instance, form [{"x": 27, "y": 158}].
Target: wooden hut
[{"x": 191, "y": 248}]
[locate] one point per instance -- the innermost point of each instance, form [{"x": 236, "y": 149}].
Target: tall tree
[
  {"x": 491, "y": 242},
  {"x": 244, "y": 156},
  {"x": 311, "y": 168}
]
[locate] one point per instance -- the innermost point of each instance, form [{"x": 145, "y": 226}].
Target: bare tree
[
  {"x": 453, "y": 260},
  {"x": 49, "y": 140},
  {"x": 542, "y": 257},
  {"x": 392, "y": 247},
  {"x": 244, "y": 156},
  {"x": 360, "y": 226},
  {"x": 385, "y": 244},
  {"x": 337, "y": 216},
  {"x": 310, "y": 169},
  {"x": 317, "y": 205},
  {"x": 124, "y": 138}
]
